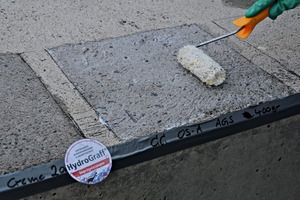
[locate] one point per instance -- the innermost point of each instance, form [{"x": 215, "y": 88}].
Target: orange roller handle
[{"x": 250, "y": 23}]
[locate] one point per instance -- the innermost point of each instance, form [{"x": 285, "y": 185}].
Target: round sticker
[{"x": 88, "y": 161}]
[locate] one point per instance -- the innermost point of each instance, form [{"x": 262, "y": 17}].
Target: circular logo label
[{"x": 88, "y": 161}]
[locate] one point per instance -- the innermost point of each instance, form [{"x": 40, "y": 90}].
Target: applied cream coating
[{"x": 201, "y": 65}]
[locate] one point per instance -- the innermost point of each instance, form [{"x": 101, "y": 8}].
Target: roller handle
[{"x": 250, "y": 23}]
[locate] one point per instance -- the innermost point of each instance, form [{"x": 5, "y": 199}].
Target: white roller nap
[{"x": 201, "y": 65}]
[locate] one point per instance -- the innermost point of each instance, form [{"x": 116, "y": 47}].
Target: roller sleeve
[{"x": 201, "y": 65}]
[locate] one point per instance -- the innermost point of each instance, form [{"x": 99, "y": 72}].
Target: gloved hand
[{"x": 277, "y": 7}]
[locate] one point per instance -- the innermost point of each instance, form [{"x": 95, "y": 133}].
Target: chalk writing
[
  {"x": 260, "y": 111},
  {"x": 17, "y": 182},
  {"x": 57, "y": 170},
  {"x": 199, "y": 129},
  {"x": 221, "y": 122},
  {"x": 184, "y": 133},
  {"x": 189, "y": 131},
  {"x": 266, "y": 110},
  {"x": 158, "y": 140}
]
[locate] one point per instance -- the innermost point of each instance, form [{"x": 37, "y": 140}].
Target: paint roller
[{"x": 203, "y": 66}]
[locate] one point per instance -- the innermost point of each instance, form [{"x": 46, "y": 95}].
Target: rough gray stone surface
[
  {"x": 262, "y": 163},
  {"x": 259, "y": 164},
  {"x": 33, "y": 129},
  {"x": 279, "y": 39},
  {"x": 137, "y": 86},
  {"x": 238, "y": 3}
]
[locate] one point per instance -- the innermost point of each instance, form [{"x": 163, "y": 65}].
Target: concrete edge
[
  {"x": 68, "y": 97},
  {"x": 52, "y": 175}
]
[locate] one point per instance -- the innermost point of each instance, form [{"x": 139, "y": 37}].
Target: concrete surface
[
  {"x": 33, "y": 128},
  {"x": 238, "y": 3},
  {"x": 27, "y": 26},
  {"x": 278, "y": 54},
  {"x": 262, "y": 163},
  {"x": 29, "y": 29},
  {"x": 138, "y": 87},
  {"x": 68, "y": 97}
]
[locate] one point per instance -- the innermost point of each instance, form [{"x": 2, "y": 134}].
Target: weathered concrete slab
[
  {"x": 68, "y": 98},
  {"x": 238, "y": 3},
  {"x": 262, "y": 163},
  {"x": 137, "y": 86},
  {"x": 27, "y": 27},
  {"x": 33, "y": 129}
]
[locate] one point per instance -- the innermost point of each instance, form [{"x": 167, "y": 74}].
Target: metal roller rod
[{"x": 220, "y": 37}]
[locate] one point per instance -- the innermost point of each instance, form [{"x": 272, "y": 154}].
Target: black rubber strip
[
  {"x": 141, "y": 150},
  {"x": 52, "y": 175}
]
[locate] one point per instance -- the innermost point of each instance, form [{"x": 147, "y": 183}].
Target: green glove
[{"x": 277, "y": 7}]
